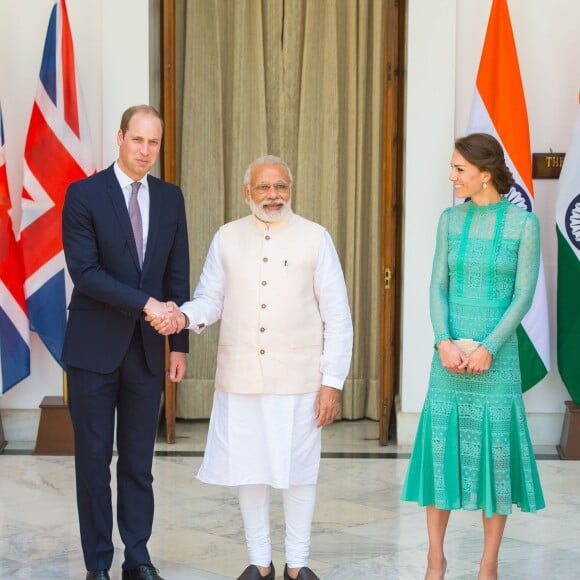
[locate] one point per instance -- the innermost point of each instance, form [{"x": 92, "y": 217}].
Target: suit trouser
[
  {"x": 299, "y": 502},
  {"x": 135, "y": 394}
]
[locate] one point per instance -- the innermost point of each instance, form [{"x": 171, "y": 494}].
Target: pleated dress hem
[{"x": 504, "y": 473}]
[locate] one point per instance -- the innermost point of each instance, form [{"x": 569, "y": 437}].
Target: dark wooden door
[{"x": 392, "y": 211}]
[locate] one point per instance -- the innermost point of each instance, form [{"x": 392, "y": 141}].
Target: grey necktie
[{"x": 136, "y": 221}]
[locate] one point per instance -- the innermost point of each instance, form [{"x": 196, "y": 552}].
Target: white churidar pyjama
[{"x": 299, "y": 502}]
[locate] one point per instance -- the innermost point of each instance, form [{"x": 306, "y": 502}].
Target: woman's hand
[
  {"x": 451, "y": 357},
  {"x": 478, "y": 361}
]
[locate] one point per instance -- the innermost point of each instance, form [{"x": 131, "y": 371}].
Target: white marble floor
[{"x": 361, "y": 529}]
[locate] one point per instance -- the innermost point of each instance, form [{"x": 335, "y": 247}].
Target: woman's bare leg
[
  {"x": 493, "y": 529},
  {"x": 436, "y": 527}
]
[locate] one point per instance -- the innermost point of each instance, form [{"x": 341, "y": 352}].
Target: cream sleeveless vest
[{"x": 271, "y": 333}]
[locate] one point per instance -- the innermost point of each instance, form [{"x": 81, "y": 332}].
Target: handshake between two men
[{"x": 165, "y": 317}]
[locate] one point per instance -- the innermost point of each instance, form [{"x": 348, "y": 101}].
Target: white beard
[{"x": 269, "y": 217}]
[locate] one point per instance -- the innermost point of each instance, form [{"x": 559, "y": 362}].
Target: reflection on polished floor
[{"x": 361, "y": 529}]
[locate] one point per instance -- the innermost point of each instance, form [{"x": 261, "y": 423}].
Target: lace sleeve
[
  {"x": 439, "y": 286},
  {"x": 524, "y": 286}
]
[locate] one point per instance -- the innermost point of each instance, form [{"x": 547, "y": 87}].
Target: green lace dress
[{"x": 473, "y": 449}]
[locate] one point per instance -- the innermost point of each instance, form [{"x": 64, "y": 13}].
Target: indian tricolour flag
[
  {"x": 568, "y": 232},
  {"x": 499, "y": 108}
]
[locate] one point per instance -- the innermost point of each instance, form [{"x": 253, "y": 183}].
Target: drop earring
[{"x": 484, "y": 184}]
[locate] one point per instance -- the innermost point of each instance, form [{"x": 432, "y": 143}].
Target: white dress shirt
[{"x": 142, "y": 199}]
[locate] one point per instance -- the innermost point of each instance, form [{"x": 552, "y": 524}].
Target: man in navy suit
[{"x": 115, "y": 360}]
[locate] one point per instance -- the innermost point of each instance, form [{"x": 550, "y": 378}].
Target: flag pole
[{"x": 2, "y": 439}]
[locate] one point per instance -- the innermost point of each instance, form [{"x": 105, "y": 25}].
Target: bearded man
[{"x": 275, "y": 281}]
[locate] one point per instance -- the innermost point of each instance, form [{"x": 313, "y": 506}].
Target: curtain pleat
[{"x": 299, "y": 79}]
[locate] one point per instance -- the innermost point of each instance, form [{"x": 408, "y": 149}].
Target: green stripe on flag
[
  {"x": 568, "y": 317},
  {"x": 532, "y": 368}
]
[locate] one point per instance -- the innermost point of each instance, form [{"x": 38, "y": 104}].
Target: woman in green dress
[{"x": 472, "y": 450}]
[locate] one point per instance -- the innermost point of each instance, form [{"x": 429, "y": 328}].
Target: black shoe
[
  {"x": 304, "y": 573},
  {"x": 142, "y": 572},
  {"x": 98, "y": 575},
  {"x": 253, "y": 573}
]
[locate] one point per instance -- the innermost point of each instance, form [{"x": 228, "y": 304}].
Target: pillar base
[
  {"x": 569, "y": 447},
  {"x": 55, "y": 431}
]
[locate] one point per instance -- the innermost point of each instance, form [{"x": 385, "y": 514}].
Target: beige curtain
[{"x": 300, "y": 79}]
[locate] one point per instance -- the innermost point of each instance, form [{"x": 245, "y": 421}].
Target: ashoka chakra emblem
[
  {"x": 518, "y": 196},
  {"x": 572, "y": 222}
]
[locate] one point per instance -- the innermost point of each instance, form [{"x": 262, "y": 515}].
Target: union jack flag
[
  {"x": 14, "y": 336},
  {"x": 57, "y": 152}
]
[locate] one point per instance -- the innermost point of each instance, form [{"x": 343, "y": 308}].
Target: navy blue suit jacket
[{"x": 110, "y": 290}]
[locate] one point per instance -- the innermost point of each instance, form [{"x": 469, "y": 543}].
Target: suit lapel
[
  {"x": 122, "y": 214},
  {"x": 155, "y": 208}
]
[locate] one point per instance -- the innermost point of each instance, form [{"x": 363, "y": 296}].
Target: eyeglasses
[{"x": 279, "y": 187}]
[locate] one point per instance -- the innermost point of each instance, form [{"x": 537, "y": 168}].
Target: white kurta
[
  {"x": 262, "y": 439},
  {"x": 272, "y": 439}
]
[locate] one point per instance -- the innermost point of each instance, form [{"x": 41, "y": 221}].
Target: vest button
[
  {"x": 264, "y": 282},
  {"x": 263, "y": 306},
  {"x": 267, "y": 237},
  {"x": 262, "y": 351},
  {"x": 264, "y": 259},
  {"x": 262, "y": 329}
]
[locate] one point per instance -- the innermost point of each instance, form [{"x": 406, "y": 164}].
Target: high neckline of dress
[{"x": 490, "y": 207}]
